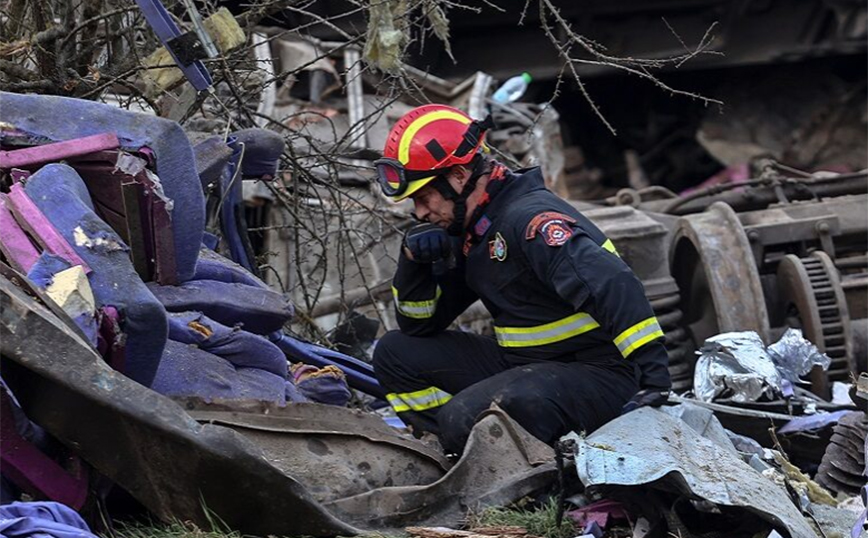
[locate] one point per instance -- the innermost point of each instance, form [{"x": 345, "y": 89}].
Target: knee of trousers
[
  {"x": 530, "y": 409},
  {"x": 540, "y": 417},
  {"x": 455, "y": 420},
  {"x": 392, "y": 358}
]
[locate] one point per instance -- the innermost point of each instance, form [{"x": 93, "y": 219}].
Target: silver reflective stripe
[
  {"x": 638, "y": 335},
  {"x": 555, "y": 331}
]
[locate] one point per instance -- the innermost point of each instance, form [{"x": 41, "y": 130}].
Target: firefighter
[{"x": 575, "y": 340}]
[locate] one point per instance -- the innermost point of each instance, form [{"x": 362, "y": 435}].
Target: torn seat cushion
[
  {"x": 61, "y": 195},
  {"x": 186, "y": 370},
  {"x": 243, "y": 349},
  {"x": 61, "y": 118},
  {"x": 256, "y": 309}
]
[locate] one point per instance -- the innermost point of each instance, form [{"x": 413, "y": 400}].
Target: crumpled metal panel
[
  {"x": 738, "y": 362},
  {"x": 647, "y": 447},
  {"x": 501, "y": 464},
  {"x": 333, "y": 451},
  {"x": 704, "y": 422},
  {"x": 143, "y": 441}
]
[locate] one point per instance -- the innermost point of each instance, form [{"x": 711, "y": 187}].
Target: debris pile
[{"x": 145, "y": 349}]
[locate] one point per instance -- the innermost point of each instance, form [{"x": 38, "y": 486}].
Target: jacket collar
[{"x": 514, "y": 186}]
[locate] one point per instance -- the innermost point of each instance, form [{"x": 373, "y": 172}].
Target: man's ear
[{"x": 457, "y": 177}]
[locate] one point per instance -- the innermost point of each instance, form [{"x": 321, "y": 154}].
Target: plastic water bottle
[{"x": 512, "y": 89}]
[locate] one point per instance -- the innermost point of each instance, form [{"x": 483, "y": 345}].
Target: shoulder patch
[{"x": 554, "y": 228}]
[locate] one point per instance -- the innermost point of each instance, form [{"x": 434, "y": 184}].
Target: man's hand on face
[
  {"x": 426, "y": 243},
  {"x": 647, "y": 397}
]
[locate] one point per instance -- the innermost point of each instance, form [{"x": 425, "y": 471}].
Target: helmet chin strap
[{"x": 456, "y": 228}]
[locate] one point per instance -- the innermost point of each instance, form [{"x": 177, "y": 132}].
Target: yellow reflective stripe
[
  {"x": 638, "y": 335},
  {"x": 610, "y": 246},
  {"x": 419, "y": 400},
  {"x": 420, "y": 122},
  {"x": 555, "y": 331},
  {"x": 416, "y": 309}
]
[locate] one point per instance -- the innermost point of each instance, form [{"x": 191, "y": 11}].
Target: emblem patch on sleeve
[
  {"x": 497, "y": 248},
  {"x": 555, "y": 228}
]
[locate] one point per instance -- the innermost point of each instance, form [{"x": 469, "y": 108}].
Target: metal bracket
[
  {"x": 166, "y": 30},
  {"x": 187, "y": 48}
]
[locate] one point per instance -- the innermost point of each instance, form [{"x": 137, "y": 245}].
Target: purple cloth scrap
[
  {"x": 213, "y": 266},
  {"x": 43, "y": 271},
  {"x": 61, "y": 118},
  {"x": 812, "y": 422},
  {"x": 243, "y": 349},
  {"x": 41, "y": 520},
  {"x": 262, "y": 152},
  {"x": 322, "y": 386}
]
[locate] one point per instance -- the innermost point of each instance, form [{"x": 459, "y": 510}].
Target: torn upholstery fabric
[{"x": 61, "y": 118}]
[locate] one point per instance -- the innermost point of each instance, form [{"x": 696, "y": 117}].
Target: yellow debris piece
[{"x": 71, "y": 291}]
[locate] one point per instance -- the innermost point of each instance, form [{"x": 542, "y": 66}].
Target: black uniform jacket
[{"x": 553, "y": 283}]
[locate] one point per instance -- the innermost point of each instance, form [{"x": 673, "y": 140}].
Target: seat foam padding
[
  {"x": 62, "y": 118},
  {"x": 61, "y": 195},
  {"x": 257, "y": 310}
]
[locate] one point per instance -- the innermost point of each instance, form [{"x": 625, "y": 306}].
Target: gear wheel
[{"x": 814, "y": 301}]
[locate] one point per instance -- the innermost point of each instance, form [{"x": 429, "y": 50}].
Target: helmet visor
[
  {"x": 394, "y": 179},
  {"x": 391, "y": 177}
]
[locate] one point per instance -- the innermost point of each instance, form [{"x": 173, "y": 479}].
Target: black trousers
[{"x": 441, "y": 383}]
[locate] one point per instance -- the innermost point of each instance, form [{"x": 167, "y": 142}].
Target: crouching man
[{"x": 576, "y": 339}]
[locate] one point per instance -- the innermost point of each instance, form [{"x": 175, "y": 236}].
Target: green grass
[
  {"x": 169, "y": 530},
  {"x": 538, "y": 522}
]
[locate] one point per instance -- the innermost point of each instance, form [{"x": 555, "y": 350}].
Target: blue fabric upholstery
[
  {"x": 262, "y": 151},
  {"x": 241, "y": 348},
  {"x": 187, "y": 370},
  {"x": 257, "y": 310},
  {"x": 213, "y": 266}
]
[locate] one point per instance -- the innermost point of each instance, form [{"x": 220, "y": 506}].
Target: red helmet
[{"x": 424, "y": 143}]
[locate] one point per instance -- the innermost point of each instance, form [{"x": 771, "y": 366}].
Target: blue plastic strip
[{"x": 359, "y": 374}]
